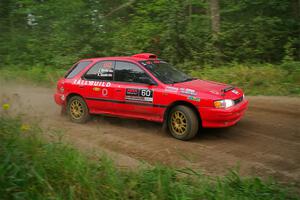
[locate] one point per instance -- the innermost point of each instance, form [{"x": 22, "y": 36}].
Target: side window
[
  {"x": 129, "y": 72},
  {"x": 101, "y": 71},
  {"x": 77, "y": 68}
]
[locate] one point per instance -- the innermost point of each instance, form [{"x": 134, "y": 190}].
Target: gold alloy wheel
[
  {"x": 179, "y": 122},
  {"x": 76, "y": 109}
]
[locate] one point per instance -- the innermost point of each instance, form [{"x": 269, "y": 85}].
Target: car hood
[{"x": 212, "y": 89}]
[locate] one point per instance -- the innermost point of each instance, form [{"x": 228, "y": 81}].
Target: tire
[
  {"x": 183, "y": 123},
  {"x": 77, "y": 110}
]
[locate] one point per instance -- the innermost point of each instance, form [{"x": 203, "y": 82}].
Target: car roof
[{"x": 136, "y": 57}]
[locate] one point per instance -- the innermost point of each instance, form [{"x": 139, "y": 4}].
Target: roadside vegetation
[
  {"x": 252, "y": 44},
  {"x": 259, "y": 79},
  {"x": 33, "y": 168},
  {"x": 256, "y": 46}
]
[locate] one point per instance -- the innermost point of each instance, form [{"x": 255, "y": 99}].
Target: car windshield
[{"x": 165, "y": 72}]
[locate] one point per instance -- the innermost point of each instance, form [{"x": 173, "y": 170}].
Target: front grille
[{"x": 238, "y": 100}]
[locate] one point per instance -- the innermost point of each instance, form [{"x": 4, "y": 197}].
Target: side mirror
[{"x": 147, "y": 80}]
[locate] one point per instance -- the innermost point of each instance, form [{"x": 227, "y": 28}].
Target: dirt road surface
[{"x": 266, "y": 142}]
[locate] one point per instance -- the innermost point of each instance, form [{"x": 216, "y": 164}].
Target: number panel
[{"x": 139, "y": 95}]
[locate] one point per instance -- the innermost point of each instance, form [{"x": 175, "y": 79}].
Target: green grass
[
  {"x": 256, "y": 79},
  {"x": 46, "y": 76},
  {"x": 32, "y": 168},
  {"x": 259, "y": 79}
]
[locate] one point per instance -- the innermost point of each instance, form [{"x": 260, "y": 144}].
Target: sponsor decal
[
  {"x": 171, "y": 89},
  {"x": 188, "y": 91},
  {"x": 96, "y": 89},
  {"x": 107, "y": 65},
  {"x": 235, "y": 92},
  {"x": 141, "y": 95},
  {"x": 194, "y": 98},
  {"x": 132, "y": 92},
  {"x": 104, "y": 91},
  {"x": 92, "y": 83},
  {"x": 105, "y": 72}
]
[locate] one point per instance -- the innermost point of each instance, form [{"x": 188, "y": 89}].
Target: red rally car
[{"x": 144, "y": 87}]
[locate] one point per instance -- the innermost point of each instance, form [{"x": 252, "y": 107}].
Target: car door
[
  {"x": 134, "y": 91},
  {"x": 98, "y": 85}
]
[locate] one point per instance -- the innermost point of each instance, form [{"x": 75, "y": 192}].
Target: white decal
[
  {"x": 104, "y": 92},
  {"x": 105, "y": 75},
  {"x": 171, "y": 89},
  {"x": 145, "y": 93},
  {"x": 188, "y": 91},
  {"x": 136, "y": 94},
  {"x": 235, "y": 92},
  {"x": 92, "y": 83},
  {"x": 105, "y": 72},
  {"x": 96, "y": 83}
]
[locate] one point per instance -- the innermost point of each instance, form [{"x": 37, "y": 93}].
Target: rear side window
[
  {"x": 77, "y": 68},
  {"x": 129, "y": 72},
  {"x": 101, "y": 71}
]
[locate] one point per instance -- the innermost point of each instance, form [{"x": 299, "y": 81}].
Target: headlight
[{"x": 226, "y": 103}]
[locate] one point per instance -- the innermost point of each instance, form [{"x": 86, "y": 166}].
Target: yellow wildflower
[
  {"x": 25, "y": 127},
  {"x": 5, "y": 106}
]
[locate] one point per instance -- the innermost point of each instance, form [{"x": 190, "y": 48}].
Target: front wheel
[
  {"x": 77, "y": 110},
  {"x": 183, "y": 122}
]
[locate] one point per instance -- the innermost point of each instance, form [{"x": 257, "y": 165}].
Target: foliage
[
  {"x": 32, "y": 168},
  {"x": 41, "y": 39},
  {"x": 36, "y": 75},
  {"x": 57, "y": 33},
  {"x": 255, "y": 79}
]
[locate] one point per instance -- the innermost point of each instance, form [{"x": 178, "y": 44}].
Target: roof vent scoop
[{"x": 145, "y": 56}]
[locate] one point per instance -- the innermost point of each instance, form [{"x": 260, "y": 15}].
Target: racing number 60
[{"x": 146, "y": 93}]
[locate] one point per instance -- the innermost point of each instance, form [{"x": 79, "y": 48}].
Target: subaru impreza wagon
[{"x": 145, "y": 87}]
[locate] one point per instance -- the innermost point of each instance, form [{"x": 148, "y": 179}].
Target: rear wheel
[
  {"x": 183, "y": 122},
  {"x": 77, "y": 110}
]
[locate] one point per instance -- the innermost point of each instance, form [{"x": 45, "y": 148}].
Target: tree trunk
[
  {"x": 296, "y": 13},
  {"x": 215, "y": 28},
  {"x": 190, "y": 11},
  {"x": 215, "y": 17}
]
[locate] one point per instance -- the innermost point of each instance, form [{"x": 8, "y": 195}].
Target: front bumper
[{"x": 217, "y": 118}]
